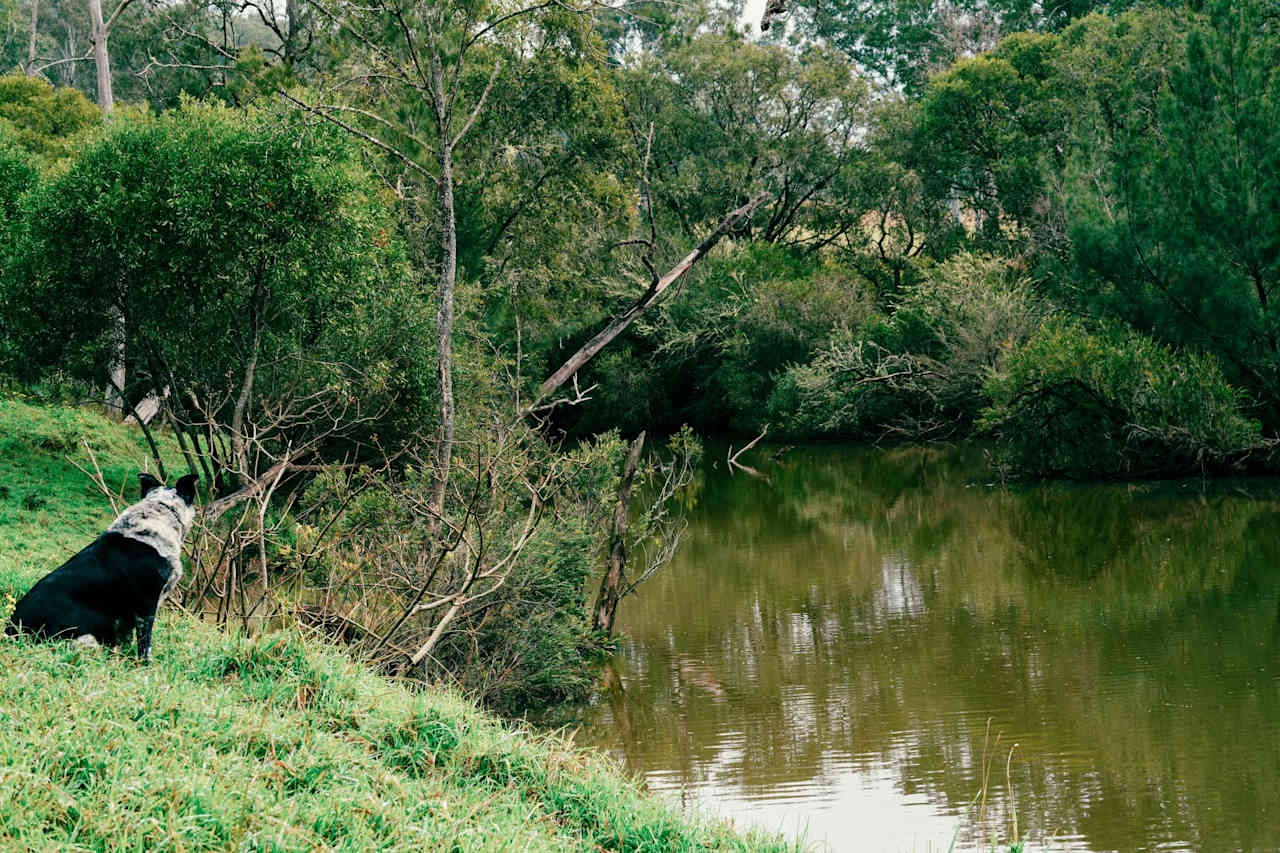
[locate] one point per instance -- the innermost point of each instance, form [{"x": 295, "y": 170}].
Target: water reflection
[{"x": 839, "y": 647}]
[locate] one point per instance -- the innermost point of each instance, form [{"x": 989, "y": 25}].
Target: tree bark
[
  {"x": 239, "y": 449},
  {"x": 101, "y": 59},
  {"x": 444, "y": 331},
  {"x": 448, "y": 278},
  {"x": 31, "y": 38},
  {"x": 606, "y": 607},
  {"x": 622, "y": 321},
  {"x": 114, "y": 397}
]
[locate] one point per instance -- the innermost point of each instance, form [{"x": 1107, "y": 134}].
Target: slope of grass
[
  {"x": 49, "y": 509},
  {"x": 276, "y": 742}
]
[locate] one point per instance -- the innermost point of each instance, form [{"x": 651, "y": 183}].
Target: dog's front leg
[{"x": 142, "y": 629}]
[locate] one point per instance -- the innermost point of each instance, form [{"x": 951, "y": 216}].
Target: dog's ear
[
  {"x": 186, "y": 487},
  {"x": 147, "y": 482}
]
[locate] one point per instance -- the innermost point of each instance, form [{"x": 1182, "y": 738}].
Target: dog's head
[{"x": 179, "y": 499}]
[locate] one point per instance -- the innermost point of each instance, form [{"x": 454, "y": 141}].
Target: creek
[{"x": 849, "y": 647}]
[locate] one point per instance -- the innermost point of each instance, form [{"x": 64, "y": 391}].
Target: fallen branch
[
  {"x": 733, "y": 457},
  {"x": 622, "y": 321}
]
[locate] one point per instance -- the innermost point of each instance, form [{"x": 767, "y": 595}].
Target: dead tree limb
[
  {"x": 611, "y": 585},
  {"x": 626, "y": 318},
  {"x": 732, "y": 457}
]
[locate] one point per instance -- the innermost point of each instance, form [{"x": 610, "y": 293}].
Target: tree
[
  {"x": 730, "y": 118},
  {"x": 254, "y": 266},
  {"x": 1175, "y": 187},
  {"x": 422, "y": 61},
  {"x": 989, "y": 129},
  {"x": 901, "y": 43}
]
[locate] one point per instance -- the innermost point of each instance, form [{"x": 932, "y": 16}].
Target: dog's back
[
  {"x": 115, "y": 585},
  {"x": 103, "y": 591}
]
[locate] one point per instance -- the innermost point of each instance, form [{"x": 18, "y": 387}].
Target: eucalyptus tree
[
  {"x": 254, "y": 267},
  {"x": 901, "y": 43},
  {"x": 730, "y": 118},
  {"x": 417, "y": 76}
]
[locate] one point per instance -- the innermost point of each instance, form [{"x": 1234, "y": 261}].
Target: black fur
[
  {"x": 112, "y": 588},
  {"x": 109, "y": 590},
  {"x": 147, "y": 483},
  {"x": 186, "y": 487}
]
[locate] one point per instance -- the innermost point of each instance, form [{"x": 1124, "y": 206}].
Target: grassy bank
[{"x": 270, "y": 743}]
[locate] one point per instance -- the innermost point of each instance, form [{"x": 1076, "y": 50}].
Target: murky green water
[{"x": 836, "y": 648}]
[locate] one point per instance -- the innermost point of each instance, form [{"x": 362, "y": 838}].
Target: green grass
[
  {"x": 49, "y": 509},
  {"x": 275, "y": 742}
]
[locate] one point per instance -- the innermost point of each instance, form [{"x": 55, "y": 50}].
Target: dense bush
[
  {"x": 44, "y": 121},
  {"x": 708, "y": 357},
  {"x": 17, "y": 174},
  {"x": 247, "y": 253},
  {"x": 918, "y": 373},
  {"x": 1080, "y": 403}
]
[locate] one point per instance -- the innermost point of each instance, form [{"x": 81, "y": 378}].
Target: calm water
[{"x": 840, "y": 649}]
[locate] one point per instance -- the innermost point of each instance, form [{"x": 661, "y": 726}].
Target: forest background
[{"x": 408, "y": 283}]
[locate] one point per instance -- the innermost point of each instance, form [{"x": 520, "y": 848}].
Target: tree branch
[{"x": 620, "y": 323}]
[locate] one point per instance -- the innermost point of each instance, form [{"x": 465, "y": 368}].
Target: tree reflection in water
[{"x": 829, "y": 646}]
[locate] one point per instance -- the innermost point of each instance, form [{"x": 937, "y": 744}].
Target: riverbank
[{"x": 276, "y": 742}]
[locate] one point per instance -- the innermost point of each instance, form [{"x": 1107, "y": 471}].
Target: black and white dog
[{"x": 114, "y": 586}]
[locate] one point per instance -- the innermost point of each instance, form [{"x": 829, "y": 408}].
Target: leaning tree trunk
[
  {"x": 619, "y": 324},
  {"x": 606, "y": 609}
]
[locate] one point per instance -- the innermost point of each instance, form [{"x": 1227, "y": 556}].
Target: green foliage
[
  {"x": 44, "y": 121},
  {"x": 1175, "y": 203},
  {"x": 1078, "y": 403},
  {"x": 762, "y": 116},
  {"x": 985, "y": 128},
  {"x": 919, "y": 372},
  {"x": 17, "y": 175},
  {"x": 902, "y": 42},
  {"x": 706, "y": 358},
  {"x": 223, "y": 237}
]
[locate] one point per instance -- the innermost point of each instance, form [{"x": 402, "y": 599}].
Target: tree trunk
[
  {"x": 239, "y": 448},
  {"x": 606, "y": 607},
  {"x": 115, "y": 406},
  {"x": 100, "y": 58},
  {"x": 115, "y": 370},
  {"x": 448, "y": 277},
  {"x": 444, "y": 331},
  {"x": 31, "y": 38},
  {"x": 620, "y": 323}
]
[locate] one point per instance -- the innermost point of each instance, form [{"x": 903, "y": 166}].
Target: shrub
[
  {"x": 1114, "y": 403},
  {"x": 920, "y": 372},
  {"x": 17, "y": 174},
  {"x": 44, "y": 121}
]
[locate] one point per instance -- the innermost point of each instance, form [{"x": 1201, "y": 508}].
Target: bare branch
[{"x": 622, "y": 321}]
